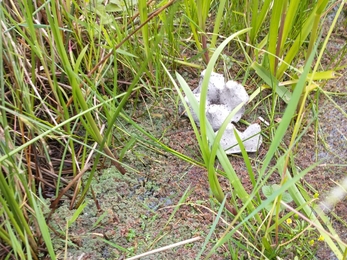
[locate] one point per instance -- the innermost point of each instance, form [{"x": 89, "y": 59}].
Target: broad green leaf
[
  {"x": 267, "y": 190},
  {"x": 270, "y": 80},
  {"x": 113, "y": 8},
  {"x": 286, "y": 197}
]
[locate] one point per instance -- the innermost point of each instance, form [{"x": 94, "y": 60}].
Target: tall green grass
[
  {"x": 282, "y": 22},
  {"x": 248, "y": 213},
  {"x": 68, "y": 68},
  {"x": 60, "y": 82}
]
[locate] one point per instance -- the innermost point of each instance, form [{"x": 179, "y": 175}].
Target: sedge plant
[
  {"x": 209, "y": 145},
  {"x": 208, "y": 135},
  {"x": 52, "y": 88}
]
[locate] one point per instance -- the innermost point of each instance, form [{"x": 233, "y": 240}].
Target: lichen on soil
[{"x": 135, "y": 209}]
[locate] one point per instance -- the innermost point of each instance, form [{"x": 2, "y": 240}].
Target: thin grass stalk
[
  {"x": 4, "y": 236},
  {"x": 276, "y": 15},
  {"x": 276, "y": 141},
  {"x": 84, "y": 162},
  {"x": 213, "y": 227},
  {"x": 202, "y": 139},
  {"x": 291, "y": 14},
  {"x": 170, "y": 29},
  {"x": 11, "y": 222},
  {"x": 155, "y": 142},
  {"x": 16, "y": 244},
  {"x": 299, "y": 200},
  {"x": 69, "y": 222},
  {"x": 34, "y": 43},
  {"x": 293, "y": 189},
  {"x": 247, "y": 161},
  {"x": 90, "y": 125},
  {"x": 183, "y": 198},
  {"x": 217, "y": 23},
  {"x": 190, "y": 9},
  {"x": 230, "y": 231},
  {"x": 334, "y": 237},
  {"x": 287, "y": 117},
  {"x": 203, "y": 7},
  {"x": 45, "y": 233},
  {"x": 212, "y": 176},
  {"x": 283, "y": 92},
  {"x": 16, "y": 222},
  {"x": 112, "y": 122},
  {"x": 304, "y": 32},
  {"x": 36, "y": 40},
  {"x": 258, "y": 18},
  {"x": 143, "y": 17},
  {"x": 4, "y": 135},
  {"x": 305, "y": 93},
  {"x": 48, "y": 129},
  {"x": 17, "y": 149},
  {"x": 317, "y": 208},
  {"x": 118, "y": 109},
  {"x": 12, "y": 206},
  {"x": 316, "y": 21},
  {"x": 197, "y": 13},
  {"x": 279, "y": 47}
]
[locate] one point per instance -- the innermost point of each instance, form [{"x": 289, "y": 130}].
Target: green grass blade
[
  {"x": 291, "y": 14},
  {"x": 75, "y": 215},
  {"x": 213, "y": 227},
  {"x": 288, "y": 115},
  {"x": 207, "y": 133},
  {"x": 232, "y": 229},
  {"x": 271, "y": 81},
  {"x": 299, "y": 200},
  {"x": 143, "y": 17},
  {"x": 246, "y": 158},
  {"x": 89, "y": 122},
  {"x": 204, "y": 88},
  {"x": 215, "y": 141},
  {"x": 257, "y": 18},
  {"x": 217, "y": 23},
  {"x": 43, "y": 228},
  {"x": 316, "y": 21},
  {"x": 294, "y": 49},
  {"x": 277, "y": 9}
]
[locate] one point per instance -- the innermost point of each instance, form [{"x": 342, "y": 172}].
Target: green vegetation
[{"x": 70, "y": 69}]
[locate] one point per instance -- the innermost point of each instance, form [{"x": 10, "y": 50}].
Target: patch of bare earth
[
  {"x": 136, "y": 209},
  {"x": 328, "y": 145}
]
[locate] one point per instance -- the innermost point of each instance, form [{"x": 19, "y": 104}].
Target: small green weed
[{"x": 269, "y": 190}]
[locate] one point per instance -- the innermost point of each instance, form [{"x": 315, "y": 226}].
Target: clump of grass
[
  {"x": 61, "y": 97},
  {"x": 267, "y": 232}
]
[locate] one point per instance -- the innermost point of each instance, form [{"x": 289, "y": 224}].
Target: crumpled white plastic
[{"x": 222, "y": 98}]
